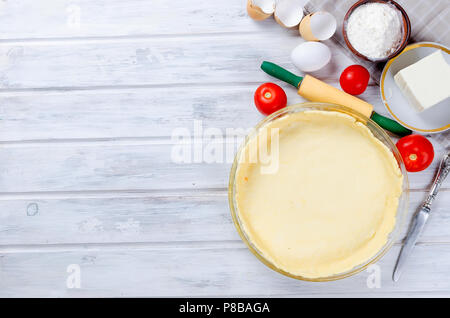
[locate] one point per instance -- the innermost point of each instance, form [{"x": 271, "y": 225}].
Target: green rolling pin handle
[
  {"x": 282, "y": 74},
  {"x": 390, "y": 125}
]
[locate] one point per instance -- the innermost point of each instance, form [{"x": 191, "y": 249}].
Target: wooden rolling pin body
[{"x": 317, "y": 91}]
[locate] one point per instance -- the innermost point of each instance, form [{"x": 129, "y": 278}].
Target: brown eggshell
[
  {"x": 255, "y": 12},
  {"x": 305, "y": 29}
]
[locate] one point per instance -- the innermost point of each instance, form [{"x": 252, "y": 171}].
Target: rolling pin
[{"x": 317, "y": 91}]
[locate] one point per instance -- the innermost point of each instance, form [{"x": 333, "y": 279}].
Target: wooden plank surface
[
  {"x": 145, "y": 62},
  {"x": 227, "y": 268},
  {"x": 164, "y": 217},
  {"x": 69, "y": 19},
  {"x": 90, "y": 95}
]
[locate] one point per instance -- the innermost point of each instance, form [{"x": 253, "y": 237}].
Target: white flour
[{"x": 375, "y": 29}]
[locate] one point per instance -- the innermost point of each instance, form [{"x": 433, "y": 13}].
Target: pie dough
[{"x": 332, "y": 202}]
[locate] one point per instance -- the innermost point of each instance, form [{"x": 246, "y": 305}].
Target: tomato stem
[{"x": 413, "y": 156}]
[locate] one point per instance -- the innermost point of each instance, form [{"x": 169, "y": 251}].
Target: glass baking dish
[{"x": 377, "y": 131}]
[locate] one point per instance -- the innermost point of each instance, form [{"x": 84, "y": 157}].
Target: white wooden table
[{"x": 90, "y": 94}]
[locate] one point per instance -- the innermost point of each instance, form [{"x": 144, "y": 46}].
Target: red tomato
[
  {"x": 269, "y": 98},
  {"x": 354, "y": 79},
  {"x": 417, "y": 152}
]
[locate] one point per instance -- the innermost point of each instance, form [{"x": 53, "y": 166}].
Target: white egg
[{"x": 311, "y": 56}]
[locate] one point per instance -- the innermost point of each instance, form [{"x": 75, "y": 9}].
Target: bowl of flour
[{"x": 376, "y": 30}]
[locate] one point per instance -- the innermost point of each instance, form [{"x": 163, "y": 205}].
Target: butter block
[{"x": 426, "y": 82}]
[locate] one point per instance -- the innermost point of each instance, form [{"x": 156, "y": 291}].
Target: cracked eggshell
[
  {"x": 289, "y": 13},
  {"x": 311, "y": 56},
  {"x": 318, "y": 26},
  {"x": 260, "y": 9}
]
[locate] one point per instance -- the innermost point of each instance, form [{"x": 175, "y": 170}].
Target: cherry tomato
[
  {"x": 417, "y": 152},
  {"x": 269, "y": 98},
  {"x": 354, "y": 79}
]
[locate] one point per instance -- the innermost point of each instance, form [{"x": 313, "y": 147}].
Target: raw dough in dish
[{"x": 331, "y": 204}]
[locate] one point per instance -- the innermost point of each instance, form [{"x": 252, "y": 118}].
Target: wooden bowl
[{"x": 406, "y": 30}]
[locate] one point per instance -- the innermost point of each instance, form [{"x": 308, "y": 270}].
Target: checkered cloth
[{"x": 430, "y": 21}]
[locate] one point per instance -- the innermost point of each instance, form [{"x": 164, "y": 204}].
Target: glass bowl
[{"x": 377, "y": 131}]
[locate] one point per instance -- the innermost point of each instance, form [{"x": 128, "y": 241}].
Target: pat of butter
[{"x": 426, "y": 82}]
